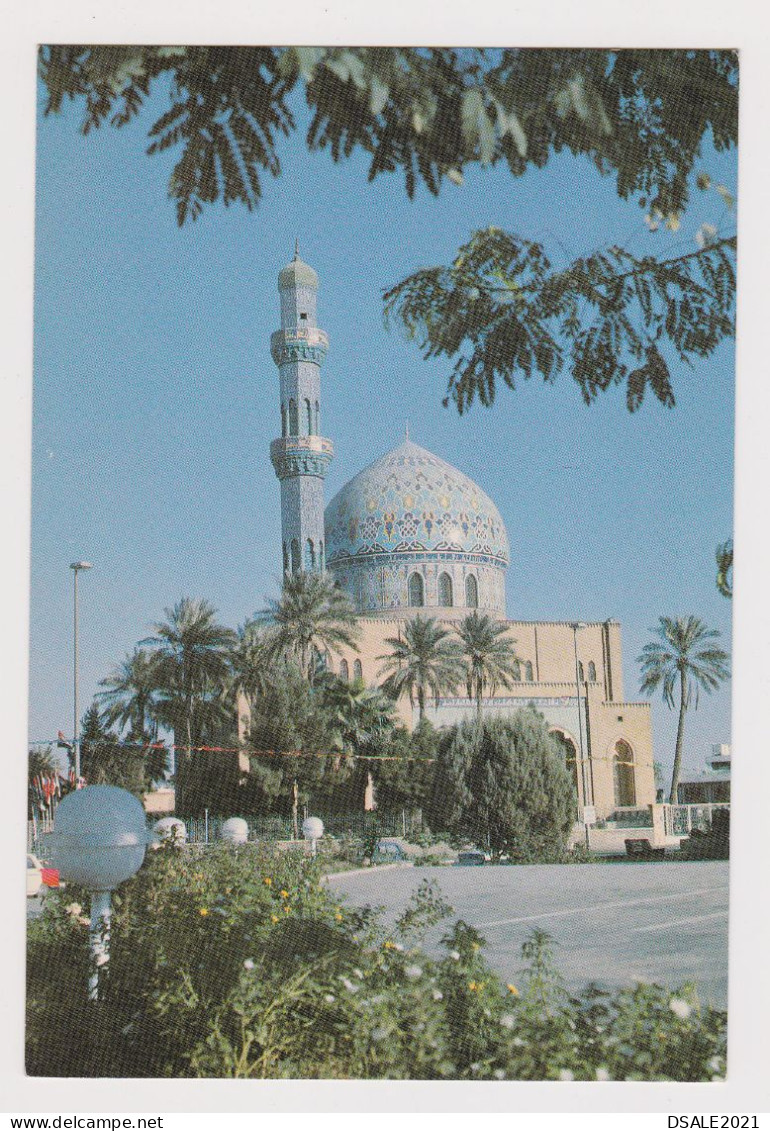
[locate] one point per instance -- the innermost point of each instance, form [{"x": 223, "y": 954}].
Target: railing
[
  {"x": 36, "y": 830},
  {"x": 202, "y": 830},
  {"x": 680, "y": 820}
]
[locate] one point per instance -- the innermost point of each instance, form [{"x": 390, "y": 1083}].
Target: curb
[{"x": 370, "y": 870}]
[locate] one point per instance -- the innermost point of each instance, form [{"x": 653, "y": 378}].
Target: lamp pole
[
  {"x": 575, "y": 626},
  {"x": 76, "y": 567}
]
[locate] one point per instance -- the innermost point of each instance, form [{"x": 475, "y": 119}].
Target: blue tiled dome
[{"x": 410, "y": 501}]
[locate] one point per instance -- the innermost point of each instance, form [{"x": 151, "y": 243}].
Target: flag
[{"x": 62, "y": 741}]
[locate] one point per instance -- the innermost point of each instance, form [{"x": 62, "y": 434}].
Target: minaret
[{"x": 302, "y": 455}]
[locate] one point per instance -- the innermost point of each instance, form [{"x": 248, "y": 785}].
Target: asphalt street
[{"x": 615, "y": 924}]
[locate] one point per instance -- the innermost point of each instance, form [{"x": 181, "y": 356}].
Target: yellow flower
[
  {"x": 338, "y": 917},
  {"x": 203, "y": 911},
  {"x": 286, "y": 908},
  {"x": 389, "y": 945},
  {"x": 512, "y": 989},
  {"x": 268, "y": 881},
  {"x": 284, "y": 893},
  {"x": 273, "y": 918},
  {"x": 474, "y": 986},
  {"x": 475, "y": 945}
]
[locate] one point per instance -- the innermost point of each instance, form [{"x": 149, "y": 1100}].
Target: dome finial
[{"x": 296, "y": 249}]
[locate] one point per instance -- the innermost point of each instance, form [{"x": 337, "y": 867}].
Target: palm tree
[
  {"x": 360, "y": 715},
  {"x": 131, "y": 699},
  {"x": 683, "y": 654},
  {"x": 192, "y": 663},
  {"x": 423, "y": 661},
  {"x": 311, "y": 616},
  {"x": 489, "y": 655}
]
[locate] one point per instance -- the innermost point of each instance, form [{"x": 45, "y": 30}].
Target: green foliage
[
  {"x": 682, "y": 661},
  {"x": 724, "y": 556},
  {"x": 104, "y": 761},
  {"x": 503, "y": 784},
  {"x": 488, "y": 653},
  {"x": 238, "y": 964},
  {"x": 132, "y": 699},
  {"x": 639, "y": 115},
  {"x": 501, "y": 310},
  {"x": 311, "y": 616},
  {"x": 505, "y": 312},
  {"x": 423, "y": 660}
]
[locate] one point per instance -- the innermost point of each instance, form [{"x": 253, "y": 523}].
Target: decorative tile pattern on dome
[{"x": 411, "y": 498}]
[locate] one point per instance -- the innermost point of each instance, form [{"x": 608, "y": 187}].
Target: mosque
[{"x": 412, "y": 535}]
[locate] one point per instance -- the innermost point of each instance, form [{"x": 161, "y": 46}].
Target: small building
[{"x": 709, "y": 786}]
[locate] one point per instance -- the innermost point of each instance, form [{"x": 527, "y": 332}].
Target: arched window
[
  {"x": 283, "y": 419},
  {"x": 528, "y": 673},
  {"x": 591, "y": 672},
  {"x": 570, "y": 755},
  {"x": 344, "y": 671},
  {"x": 471, "y": 592},
  {"x": 625, "y": 787},
  {"x": 296, "y": 561},
  {"x": 308, "y": 417},
  {"x": 416, "y": 590},
  {"x": 358, "y": 671},
  {"x": 309, "y": 555},
  {"x": 445, "y": 590},
  {"x": 293, "y": 422},
  {"x": 285, "y": 558},
  {"x": 581, "y": 673},
  {"x": 517, "y": 671},
  {"x": 317, "y": 419}
]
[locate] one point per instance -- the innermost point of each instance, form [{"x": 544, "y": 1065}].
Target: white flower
[
  {"x": 73, "y": 909},
  {"x": 351, "y": 987},
  {"x": 680, "y": 1007},
  {"x": 455, "y": 954},
  {"x": 397, "y": 946},
  {"x": 358, "y": 973},
  {"x": 518, "y": 1042},
  {"x": 602, "y": 1074},
  {"x": 329, "y": 998},
  {"x": 248, "y": 964},
  {"x": 476, "y": 1066},
  {"x": 379, "y": 1033},
  {"x": 437, "y": 995},
  {"x": 413, "y": 972},
  {"x": 715, "y": 1064},
  {"x": 499, "y": 1074},
  {"x": 565, "y": 1074},
  {"x": 507, "y": 1020}
]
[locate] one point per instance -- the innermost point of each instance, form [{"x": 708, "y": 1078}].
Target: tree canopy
[{"x": 502, "y": 311}]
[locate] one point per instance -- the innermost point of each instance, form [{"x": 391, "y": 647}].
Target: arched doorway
[{"x": 623, "y": 766}]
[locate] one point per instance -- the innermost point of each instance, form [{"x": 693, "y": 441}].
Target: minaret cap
[{"x": 297, "y": 273}]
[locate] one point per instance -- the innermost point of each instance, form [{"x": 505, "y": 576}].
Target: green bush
[
  {"x": 502, "y": 783},
  {"x": 238, "y": 963}
]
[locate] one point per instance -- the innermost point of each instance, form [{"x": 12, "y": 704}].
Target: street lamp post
[
  {"x": 76, "y": 567},
  {"x": 575, "y": 626}
]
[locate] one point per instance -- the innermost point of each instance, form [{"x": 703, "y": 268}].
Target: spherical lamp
[
  {"x": 313, "y": 830},
  {"x": 235, "y": 830},
  {"x": 170, "y": 830}
]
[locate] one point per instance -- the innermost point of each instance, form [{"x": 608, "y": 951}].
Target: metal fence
[
  {"x": 680, "y": 820},
  {"x": 405, "y": 823},
  {"x": 36, "y": 831}
]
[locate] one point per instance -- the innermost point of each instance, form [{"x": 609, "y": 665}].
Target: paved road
[{"x": 614, "y": 924}]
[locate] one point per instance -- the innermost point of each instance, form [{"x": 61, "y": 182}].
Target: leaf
[
  {"x": 378, "y": 95},
  {"x": 637, "y": 383}
]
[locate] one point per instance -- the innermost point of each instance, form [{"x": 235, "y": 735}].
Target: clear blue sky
[{"x": 155, "y": 400}]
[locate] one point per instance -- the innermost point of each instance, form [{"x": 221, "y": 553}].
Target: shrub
[
  {"x": 238, "y": 963},
  {"x": 503, "y": 784}
]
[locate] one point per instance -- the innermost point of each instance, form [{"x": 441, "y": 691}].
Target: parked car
[
  {"x": 40, "y": 875},
  {"x": 471, "y": 857}
]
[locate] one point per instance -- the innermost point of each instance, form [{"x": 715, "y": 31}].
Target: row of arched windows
[
  {"x": 358, "y": 671},
  {"x": 313, "y": 557},
  {"x": 524, "y": 667},
  {"x": 311, "y": 419},
  {"x": 591, "y": 672},
  {"x": 416, "y": 591}
]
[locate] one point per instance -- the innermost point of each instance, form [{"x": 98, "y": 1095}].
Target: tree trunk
[
  {"x": 672, "y": 799},
  {"x": 294, "y": 809}
]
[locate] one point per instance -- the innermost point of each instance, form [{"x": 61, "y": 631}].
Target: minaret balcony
[
  {"x": 301, "y": 455},
  {"x": 299, "y": 343}
]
